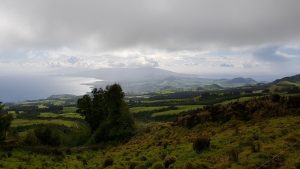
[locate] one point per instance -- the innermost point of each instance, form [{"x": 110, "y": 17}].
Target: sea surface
[{"x": 21, "y": 88}]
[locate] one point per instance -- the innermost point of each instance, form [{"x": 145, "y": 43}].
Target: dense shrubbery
[
  {"x": 43, "y": 136},
  {"x": 108, "y": 162},
  {"x": 193, "y": 165},
  {"x": 5, "y": 121},
  {"x": 47, "y": 136},
  {"x": 55, "y": 135},
  {"x": 107, "y": 114},
  {"x": 257, "y": 108},
  {"x": 201, "y": 143},
  {"x": 169, "y": 160}
]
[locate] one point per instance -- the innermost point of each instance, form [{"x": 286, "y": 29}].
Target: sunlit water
[{"x": 22, "y": 88}]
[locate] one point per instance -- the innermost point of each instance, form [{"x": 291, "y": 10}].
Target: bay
[{"x": 20, "y": 88}]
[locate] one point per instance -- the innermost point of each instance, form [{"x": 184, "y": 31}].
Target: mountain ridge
[{"x": 149, "y": 79}]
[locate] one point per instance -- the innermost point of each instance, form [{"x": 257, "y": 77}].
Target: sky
[{"x": 211, "y": 38}]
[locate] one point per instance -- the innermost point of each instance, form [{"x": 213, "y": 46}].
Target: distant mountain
[
  {"x": 147, "y": 79},
  {"x": 289, "y": 84},
  {"x": 130, "y": 74},
  {"x": 212, "y": 87},
  {"x": 241, "y": 80},
  {"x": 295, "y": 79}
]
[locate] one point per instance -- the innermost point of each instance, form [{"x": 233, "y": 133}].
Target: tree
[
  {"x": 5, "y": 121},
  {"x": 107, "y": 113}
]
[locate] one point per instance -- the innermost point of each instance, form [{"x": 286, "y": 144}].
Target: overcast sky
[{"x": 253, "y": 38}]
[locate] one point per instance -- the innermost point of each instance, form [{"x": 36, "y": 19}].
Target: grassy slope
[
  {"x": 156, "y": 140},
  {"x": 179, "y": 110}
]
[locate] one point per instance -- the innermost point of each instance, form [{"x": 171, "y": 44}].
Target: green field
[
  {"x": 26, "y": 122},
  {"x": 69, "y": 109},
  {"x": 241, "y": 99},
  {"x": 143, "y": 109},
  {"x": 64, "y": 115},
  {"x": 179, "y": 110}
]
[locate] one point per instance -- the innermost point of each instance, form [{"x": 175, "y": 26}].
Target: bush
[
  {"x": 201, "y": 143},
  {"x": 158, "y": 165},
  {"x": 5, "y": 121},
  {"x": 297, "y": 165},
  {"x": 133, "y": 165},
  {"x": 234, "y": 154},
  {"x": 47, "y": 136},
  {"x": 108, "y": 162},
  {"x": 255, "y": 146},
  {"x": 31, "y": 139},
  {"x": 193, "y": 165},
  {"x": 169, "y": 160}
]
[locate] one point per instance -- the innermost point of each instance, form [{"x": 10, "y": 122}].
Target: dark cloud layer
[{"x": 157, "y": 24}]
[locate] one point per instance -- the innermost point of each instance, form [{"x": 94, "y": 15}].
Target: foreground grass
[{"x": 156, "y": 142}]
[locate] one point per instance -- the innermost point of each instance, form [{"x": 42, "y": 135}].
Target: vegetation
[
  {"x": 107, "y": 114},
  {"x": 5, "y": 121},
  {"x": 227, "y": 128}
]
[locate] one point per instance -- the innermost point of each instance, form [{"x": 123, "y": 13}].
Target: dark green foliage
[
  {"x": 297, "y": 165},
  {"x": 201, "y": 143},
  {"x": 233, "y": 154},
  {"x": 133, "y": 165},
  {"x": 68, "y": 136},
  {"x": 107, "y": 114},
  {"x": 158, "y": 165},
  {"x": 255, "y": 146},
  {"x": 31, "y": 111},
  {"x": 192, "y": 165},
  {"x": 31, "y": 139},
  {"x": 256, "y": 108},
  {"x": 5, "y": 121},
  {"x": 108, "y": 162},
  {"x": 47, "y": 136},
  {"x": 169, "y": 160},
  {"x": 275, "y": 98}
]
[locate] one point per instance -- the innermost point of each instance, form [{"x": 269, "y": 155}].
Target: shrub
[
  {"x": 31, "y": 139},
  {"x": 132, "y": 165},
  {"x": 47, "y": 136},
  {"x": 255, "y": 146},
  {"x": 169, "y": 160},
  {"x": 201, "y": 143},
  {"x": 275, "y": 98},
  {"x": 143, "y": 158},
  {"x": 158, "y": 165},
  {"x": 193, "y": 165},
  {"x": 108, "y": 162},
  {"x": 5, "y": 121},
  {"x": 297, "y": 165},
  {"x": 233, "y": 154}
]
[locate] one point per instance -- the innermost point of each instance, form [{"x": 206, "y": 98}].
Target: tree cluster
[
  {"x": 107, "y": 113},
  {"x": 5, "y": 121}
]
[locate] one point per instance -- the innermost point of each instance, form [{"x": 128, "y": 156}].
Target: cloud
[
  {"x": 168, "y": 24},
  {"x": 197, "y": 36},
  {"x": 269, "y": 54},
  {"x": 226, "y": 65}
]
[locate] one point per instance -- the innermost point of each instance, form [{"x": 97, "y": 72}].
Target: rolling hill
[
  {"x": 289, "y": 84},
  {"x": 148, "y": 79}
]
